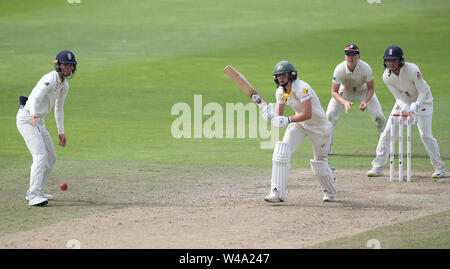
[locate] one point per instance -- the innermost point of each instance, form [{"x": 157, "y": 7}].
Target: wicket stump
[{"x": 400, "y": 119}]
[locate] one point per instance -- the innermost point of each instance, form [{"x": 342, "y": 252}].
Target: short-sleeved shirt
[
  {"x": 353, "y": 82},
  {"x": 302, "y": 91}
]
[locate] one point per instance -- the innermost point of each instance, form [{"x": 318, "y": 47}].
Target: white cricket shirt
[
  {"x": 353, "y": 82},
  {"x": 49, "y": 92},
  {"x": 409, "y": 86},
  {"x": 300, "y": 92}
]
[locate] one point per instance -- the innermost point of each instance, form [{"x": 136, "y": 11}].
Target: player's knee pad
[
  {"x": 281, "y": 153},
  {"x": 325, "y": 175}
]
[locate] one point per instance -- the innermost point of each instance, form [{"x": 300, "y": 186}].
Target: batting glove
[
  {"x": 267, "y": 113},
  {"x": 280, "y": 121}
]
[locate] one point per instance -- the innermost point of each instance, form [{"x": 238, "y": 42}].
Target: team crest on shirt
[
  {"x": 305, "y": 91},
  {"x": 419, "y": 75}
]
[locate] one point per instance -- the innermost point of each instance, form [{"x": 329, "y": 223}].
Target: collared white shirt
[
  {"x": 353, "y": 82},
  {"x": 49, "y": 92},
  {"x": 409, "y": 86},
  {"x": 300, "y": 92}
]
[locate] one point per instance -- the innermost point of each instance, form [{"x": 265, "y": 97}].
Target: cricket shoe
[
  {"x": 38, "y": 200},
  {"x": 438, "y": 173},
  {"x": 274, "y": 197},
  {"x": 375, "y": 172},
  {"x": 328, "y": 197},
  {"x": 48, "y": 196}
]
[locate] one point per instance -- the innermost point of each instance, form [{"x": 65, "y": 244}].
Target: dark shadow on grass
[
  {"x": 421, "y": 156},
  {"x": 351, "y": 205},
  {"x": 93, "y": 203},
  {"x": 385, "y": 207}
]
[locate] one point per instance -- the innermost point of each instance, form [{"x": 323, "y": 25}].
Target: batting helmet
[
  {"x": 394, "y": 52},
  {"x": 284, "y": 67},
  {"x": 65, "y": 57}
]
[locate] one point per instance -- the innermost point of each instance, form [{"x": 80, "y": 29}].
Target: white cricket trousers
[
  {"x": 296, "y": 133},
  {"x": 335, "y": 108},
  {"x": 40, "y": 145},
  {"x": 424, "y": 120}
]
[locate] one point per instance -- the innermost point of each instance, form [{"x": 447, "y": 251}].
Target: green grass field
[{"x": 137, "y": 59}]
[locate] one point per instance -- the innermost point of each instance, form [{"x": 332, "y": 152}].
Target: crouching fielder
[
  {"x": 353, "y": 80},
  {"x": 412, "y": 95},
  {"x": 51, "y": 90},
  {"x": 309, "y": 120}
]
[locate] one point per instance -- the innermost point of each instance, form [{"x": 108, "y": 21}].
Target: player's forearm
[
  {"x": 338, "y": 97},
  {"x": 301, "y": 116},
  {"x": 335, "y": 92},
  {"x": 59, "y": 118},
  {"x": 369, "y": 94},
  {"x": 33, "y": 106},
  {"x": 370, "y": 91},
  {"x": 279, "y": 109},
  {"x": 422, "y": 90},
  {"x": 59, "y": 111}
]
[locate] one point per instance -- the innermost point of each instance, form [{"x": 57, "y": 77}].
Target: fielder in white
[
  {"x": 309, "y": 120},
  {"x": 353, "y": 81},
  {"x": 413, "y": 96},
  {"x": 51, "y": 90}
]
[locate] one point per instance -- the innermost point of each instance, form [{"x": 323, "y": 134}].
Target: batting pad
[
  {"x": 326, "y": 179},
  {"x": 280, "y": 167}
]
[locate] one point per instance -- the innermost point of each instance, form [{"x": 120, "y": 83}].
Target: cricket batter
[
  {"x": 309, "y": 120},
  {"x": 353, "y": 81},
  {"x": 413, "y": 96},
  {"x": 51, "y": 90}
]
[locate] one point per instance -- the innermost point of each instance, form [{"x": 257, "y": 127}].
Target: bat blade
[{"x": 245, "y": 86}]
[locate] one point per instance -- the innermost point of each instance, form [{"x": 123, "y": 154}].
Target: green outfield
[{"x": 137, "y": 59}]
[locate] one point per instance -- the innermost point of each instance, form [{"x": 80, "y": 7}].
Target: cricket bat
[{"x": 245, "y": 86}]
